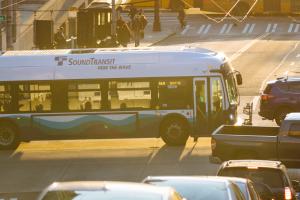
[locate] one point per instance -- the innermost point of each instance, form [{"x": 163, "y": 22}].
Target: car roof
[
  {"x": 187, "y": 178},
  {"x": 110, "y": 185},
  {"x": 253, "y": 163},
  {"x": 284, "y": 80},
  {"x": 292, "y": 117}
]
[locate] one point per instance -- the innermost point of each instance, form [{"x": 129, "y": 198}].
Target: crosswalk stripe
[
  {"x": 246, "y": 28},
  {"x": 291, "y": 28},
  {"x": 201, "y": 29},
  {"x": 223, "y": 29},
  {"x": 229, "y": 28},
  {"x": 297, "y": 28},
  {"x": 251, "y": 28},
  {"x": 268, "y": 28},
  {"x": 185, "y": 30},
  {"x": 207, "y": 29},
  {"x": 274, "y": 28}
]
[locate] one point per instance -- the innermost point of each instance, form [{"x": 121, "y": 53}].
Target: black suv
[
  {"x": 272, "y": 174},
  {"x": 280, "y": 97}
]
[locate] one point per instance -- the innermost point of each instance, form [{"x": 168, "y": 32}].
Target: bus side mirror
[{"x": 239, "y": 79}]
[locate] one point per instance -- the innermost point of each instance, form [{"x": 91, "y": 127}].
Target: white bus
[{"x": 167, "y": 92}]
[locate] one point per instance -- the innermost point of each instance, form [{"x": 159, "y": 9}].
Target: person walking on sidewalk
[
  {"x": 144, "y": 22},
  {"x": 123, "y": 32},
  {"x": 181, "y": 17},
  {"x": 59, "y": 39},
  {"x": 136, "y": 27},
  {"x": 132, "y": 13}
]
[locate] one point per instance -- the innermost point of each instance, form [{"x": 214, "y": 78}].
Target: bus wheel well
[
  {"x": 9, "y": 135},
  {"x": 174, "y": 130}
]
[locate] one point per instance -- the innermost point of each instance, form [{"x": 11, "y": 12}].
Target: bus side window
[{"x": 5, "y": 98}]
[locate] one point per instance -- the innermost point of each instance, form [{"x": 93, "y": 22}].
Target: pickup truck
[{"x": 256, "y": 142}]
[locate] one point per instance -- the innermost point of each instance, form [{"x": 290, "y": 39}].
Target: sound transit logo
[{"x": 60, "y": 60}]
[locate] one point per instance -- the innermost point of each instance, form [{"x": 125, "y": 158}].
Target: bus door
[
  {"x": 216, "y": 101},
  {"x": 201, "y": 106}
]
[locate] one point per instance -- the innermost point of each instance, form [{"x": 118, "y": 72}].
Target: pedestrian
[
  {"x": 136, "y": 27},
  {"x": 132, "y": 13},
  {"x": 123, "y": 32},
  {"x": 59, "y": 39},
  {"x": 181, "y": 17},
  {"x": 144, "y": 22}
]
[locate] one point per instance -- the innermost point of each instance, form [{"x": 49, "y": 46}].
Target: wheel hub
[
  {"x": 6, "y": 137},
  {"x": 174, "y": 131}
]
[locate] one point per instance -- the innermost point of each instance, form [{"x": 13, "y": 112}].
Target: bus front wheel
[
  {"x": 174, "y": 132},
  {"x": 8, "y": 137}
]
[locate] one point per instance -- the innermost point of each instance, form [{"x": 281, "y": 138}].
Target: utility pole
[
  {"x": 156, "y": 24},
  {"x": 113, "y": 18}
]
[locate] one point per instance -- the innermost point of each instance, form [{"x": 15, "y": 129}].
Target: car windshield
[
  {"x": 101, "y": 195},
  {"x": 272, "y": 177},
  {"x": 197, "y": 189}
]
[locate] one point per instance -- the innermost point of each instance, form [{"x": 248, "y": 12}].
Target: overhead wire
[{"x": 13, "y": 4}]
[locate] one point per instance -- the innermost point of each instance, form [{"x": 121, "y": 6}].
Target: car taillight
[
  {"x": 213, "y": 144},
  {"x": 287, "y": 193},
  {"x": 266, "y": 97}
]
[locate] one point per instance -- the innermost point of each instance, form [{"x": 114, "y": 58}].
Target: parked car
[
  {"x": 280, "y": 97},
  {"x": 90, "y": 190},
  {"x": 198, "y": 187},
  {"x": 255, "y": 142},
  {"x": 272, "y": 174}
]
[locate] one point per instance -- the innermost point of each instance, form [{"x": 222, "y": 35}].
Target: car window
[
  {"x": 200, "y": 190},
  {"x": 252, "y": 192},
  {"x": 268, "y": 89},
  {"x": 283, "y": 86},
  {"x": 243, "y": 188},
  {"x": 100, "y": 195},
  {"x": 294, "y": 87},
  {"x": 272, "y": 177},
  {"x": 295, "y": 130},
  {"x": 236, "y": 193}
]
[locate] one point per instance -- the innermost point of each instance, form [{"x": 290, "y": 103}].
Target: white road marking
[
  {"x": 298, "y": 55},
  {"x": 251, "y": 28},
  {"x": 201, "y": 29},
  {"x": 274, "y": 28},
  {"x": 278, "y": 66},
  {"x": 223, "y": 29},
  {"x": 185, "y": 30},
  {"x": 297, "y": 28},
  {"x": 229, "y": 28},
  {"x": 268, "y": 28},
  {"x": 291, "y": 28},
  {"x": 247, "y": 46},
  {"x": 207, "y": 29},
  {"x": 246, "y": 28},
  {"x": 292, "y": 63}
]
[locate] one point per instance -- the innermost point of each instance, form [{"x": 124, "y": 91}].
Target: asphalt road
[{"x": 34, "y": 165}]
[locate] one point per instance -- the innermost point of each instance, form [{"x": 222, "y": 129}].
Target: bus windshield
[{"x": 231, "y": 89}]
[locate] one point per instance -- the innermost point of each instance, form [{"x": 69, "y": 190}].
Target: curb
[{"x": 163, "y": 39}]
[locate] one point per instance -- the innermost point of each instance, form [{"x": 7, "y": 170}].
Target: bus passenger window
[
  {"x": 174, "y": 94},
  {"x": 5, "y": 98},
  {"x": 34, "y": 97},
  {"x": 84, "y": 96},
  {"x": 128, "y": 95}
]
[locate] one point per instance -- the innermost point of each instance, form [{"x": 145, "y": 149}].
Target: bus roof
[{"x": 109, "y": 63}]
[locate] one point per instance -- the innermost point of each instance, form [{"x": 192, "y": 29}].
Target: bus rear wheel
[
  {"x": 174, "y": 132},
  {"x": 8, "y": 137}
]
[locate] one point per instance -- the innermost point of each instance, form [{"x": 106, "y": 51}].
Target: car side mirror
[
  {"x": 296, "y": 185},
  {"x": 239, "y": 79}
]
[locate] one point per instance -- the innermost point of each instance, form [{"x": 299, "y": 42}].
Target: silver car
[
  {"x": 95, "y": 190},
  {"x": 199, "y": 187}
]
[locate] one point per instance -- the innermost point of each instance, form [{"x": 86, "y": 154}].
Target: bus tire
[
  {"x": 174, "y": 132},
  {"x": 281, "y": 114},
  {"x": 9, "y": 137}
]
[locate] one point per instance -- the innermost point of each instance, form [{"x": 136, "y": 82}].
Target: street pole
[
  {"x": 113, "y": 18},
  {"x": 156, "y": 24}
]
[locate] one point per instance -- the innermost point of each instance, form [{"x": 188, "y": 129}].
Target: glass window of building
[
  {"x": 84, "y": 96},
  {"x": 5, "y": 98},
  {"x": 125, "y": 95},
  {"x": 34, "y": 97}
]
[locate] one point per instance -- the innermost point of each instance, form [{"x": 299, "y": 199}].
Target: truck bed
[{"x": 247, "y": 130}]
